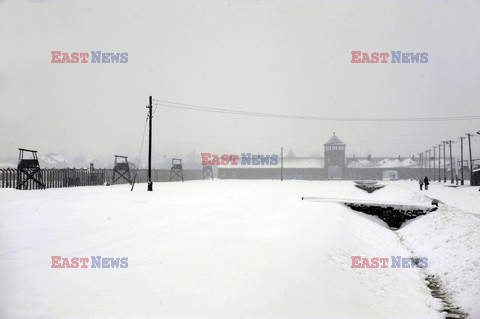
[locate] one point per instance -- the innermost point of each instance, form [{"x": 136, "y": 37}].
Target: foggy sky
[{"x": 287, "y": 57}]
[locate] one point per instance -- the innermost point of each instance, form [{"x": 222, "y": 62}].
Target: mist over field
[{"x": 288, "y": 58}]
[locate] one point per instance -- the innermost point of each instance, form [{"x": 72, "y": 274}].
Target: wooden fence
[{"x": 74, "y": 177}]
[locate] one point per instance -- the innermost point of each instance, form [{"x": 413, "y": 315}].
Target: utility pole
[
  {"x": 425, "y": 164},
  {"x": 434, "y": 165},
  {"x": 470, "y": 152},
  {"x": 444, "y": 164},
  {"x": 150, "y": 184},
  {"x": 281, "y": 164},
  {"x": 420, "y": 163},
  {"x": 439, "y": 158},
  {"x": 427, "y": 157},
  {"x": 451, "y": 160},
  {"x": 461, "y": 158},
  {"x": 429, "y": 164}
]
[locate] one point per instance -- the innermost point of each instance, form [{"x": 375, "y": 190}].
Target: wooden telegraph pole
[
  {"x": 434, "y": 164},
  {"x": 439, "y": 158},
  {"x": 150, "y": 184},
  {"x": 425, "y": 163},
  {"x": 420, "y": 165},
  {"x": 451, "y": 159},
  {"x": 461, "y": 158},
  {"x": 444, "y": 164},
  {"x": 429, "y": 163},
  {"x": 470, "y": 153}
]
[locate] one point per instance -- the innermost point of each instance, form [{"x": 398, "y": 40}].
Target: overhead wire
[
  {"x": 139, "y": 153},
  {"x": 193, "y": 107}
]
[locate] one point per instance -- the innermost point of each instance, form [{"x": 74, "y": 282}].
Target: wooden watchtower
[
  {"x": 29, "y": 170},
  {"x": 121, "y": 169},
  {"x": 176, "y": 170}
]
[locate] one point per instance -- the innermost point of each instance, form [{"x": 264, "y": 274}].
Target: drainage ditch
[
  {"x": 393, "y": 216},
  {"x": 452, "y": 312},
  {"x": 369, "y": 188}
]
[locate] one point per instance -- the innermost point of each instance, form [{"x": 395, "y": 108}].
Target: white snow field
[{"x": 233, "y": 249}]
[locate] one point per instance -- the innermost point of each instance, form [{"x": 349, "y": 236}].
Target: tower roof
[{"x": 334, "y": 140}]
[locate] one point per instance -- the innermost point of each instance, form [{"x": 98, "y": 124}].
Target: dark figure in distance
[
  {"x": 420, "y": 182},
  {"x": 425, "y": 181}
]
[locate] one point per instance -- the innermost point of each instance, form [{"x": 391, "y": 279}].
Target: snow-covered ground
[
  {"x": 451, "y": 239},
  {"x": 232, "y": 248}
]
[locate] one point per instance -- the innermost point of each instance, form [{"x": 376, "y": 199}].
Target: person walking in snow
[
  {"x": 420, "y": 182},
  {"x": 425, "y": 181}
]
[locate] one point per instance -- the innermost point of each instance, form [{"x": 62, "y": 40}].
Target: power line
[
  {"x": 140, "y": 153},
  {"x": 184, "y": 106},
  {"x": 156, "y": 106}
]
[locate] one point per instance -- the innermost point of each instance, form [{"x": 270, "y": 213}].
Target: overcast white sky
[{"x": 288, "y": 57}]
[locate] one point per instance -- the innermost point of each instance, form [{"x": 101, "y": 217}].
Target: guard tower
[
  {"x": 334, "y": 166},
  {"x": 29, "y": 170},
  {"x": 121, "y": 169},
  {"x": 176, "y": 170},
  {"x": 207, "y": 172}
]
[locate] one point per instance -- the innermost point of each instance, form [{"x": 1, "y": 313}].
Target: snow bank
[{"x": 450, "y": 238}]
